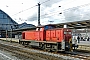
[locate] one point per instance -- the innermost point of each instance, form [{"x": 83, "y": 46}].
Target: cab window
[
  {"x": 48, "y": 27},
  {"x": 66, "y": 32}
]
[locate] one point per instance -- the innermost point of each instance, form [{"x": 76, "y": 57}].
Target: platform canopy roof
[{"x": 75, "y": 25}]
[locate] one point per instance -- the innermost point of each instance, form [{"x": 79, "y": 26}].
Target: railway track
[
  {"x": 80, "y": 55},
  {"x": 25, "y": 53},
  {"x": 18, "y": 53}
]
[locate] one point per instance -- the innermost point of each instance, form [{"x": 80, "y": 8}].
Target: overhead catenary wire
[
  {"x": 44, "y": 1},
  {"x": 30, "y": 8},
  {"x": 24, "y": 10},
  {"x": 63, "y": 4},
  {"x": 66, "y": 9},
  {"x": 46, "y": 15},
  {"x": 78, "y": 6}
]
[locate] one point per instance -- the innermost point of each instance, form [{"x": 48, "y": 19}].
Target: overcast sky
[{"x": 27, "y": 10}]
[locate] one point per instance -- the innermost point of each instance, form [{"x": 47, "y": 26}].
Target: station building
[{"x": 7, "y": 24}]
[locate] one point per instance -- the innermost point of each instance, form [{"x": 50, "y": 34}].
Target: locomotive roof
[{"x": 47, "y": 25}]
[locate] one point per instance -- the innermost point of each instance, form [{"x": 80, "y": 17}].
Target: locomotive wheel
[
  {"x": 41, "y": 46},
  {"x": 53, "y": 48},
  {"x": 46, "y": 48}
]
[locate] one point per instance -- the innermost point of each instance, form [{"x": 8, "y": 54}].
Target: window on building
[
  {"x": 1, "y": 16},
  {"x": 4, "y": 16}
]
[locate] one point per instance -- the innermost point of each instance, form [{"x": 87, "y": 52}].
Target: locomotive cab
[{"x": 68, "y": 39}]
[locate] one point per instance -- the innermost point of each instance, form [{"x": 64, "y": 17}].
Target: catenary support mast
[{"x": 39, "y": 14}]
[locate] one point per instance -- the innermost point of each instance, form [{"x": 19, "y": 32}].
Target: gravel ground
[{"x": 4, "y": 55}]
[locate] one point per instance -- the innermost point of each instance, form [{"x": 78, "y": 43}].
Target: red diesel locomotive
[{"x": 49, "y": 38}]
